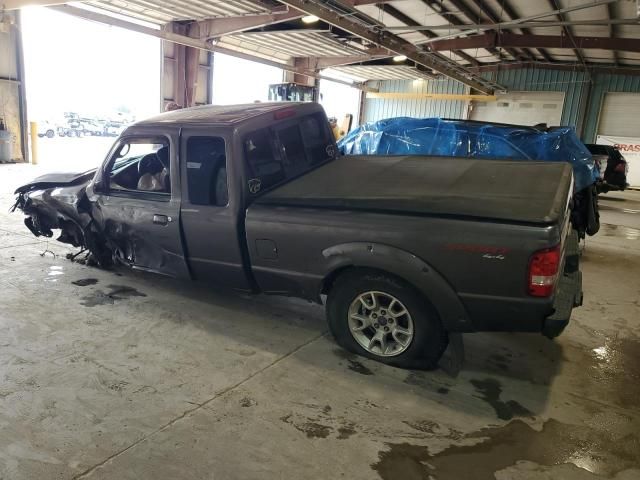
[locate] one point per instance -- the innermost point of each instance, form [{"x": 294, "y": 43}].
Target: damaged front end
[{"x": 59, "y": 202}]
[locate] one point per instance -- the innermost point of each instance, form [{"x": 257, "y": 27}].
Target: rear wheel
[
  {"x": 50, "y": 133},
  {"x": 384, "y": 318}
]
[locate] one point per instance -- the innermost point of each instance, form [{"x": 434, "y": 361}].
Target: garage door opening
[
  {"x": 85, "y": 82},
  {"x": 339, "y": 100},
  {"x": 236, "y": 80},
  {"x": 618, "y": 126}
]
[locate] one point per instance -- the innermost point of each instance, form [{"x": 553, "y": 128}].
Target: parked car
[
  {"x": 256, "y": 197},
  {"x": 46, "y": 129},
  {"x": 91, "y": 128},
  {"x": 614, "y": 168},
  {"x": 112, "y": 130}
]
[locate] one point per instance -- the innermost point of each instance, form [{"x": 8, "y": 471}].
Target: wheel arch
[{"x": 404, "y": 265}]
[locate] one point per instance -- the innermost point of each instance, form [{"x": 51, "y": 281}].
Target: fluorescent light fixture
[
  {"x": 310, "y": 19},
  {"x": 399, "y": 58}
]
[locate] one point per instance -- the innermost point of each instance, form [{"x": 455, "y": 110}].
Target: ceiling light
[
  {"x": 399, "y": 58},
  {"x": 310, "y": 19}
]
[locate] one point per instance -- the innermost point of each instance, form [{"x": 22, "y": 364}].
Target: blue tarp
[{"x": 453, "y": 138}]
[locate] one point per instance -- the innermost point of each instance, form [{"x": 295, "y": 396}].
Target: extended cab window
[
  {"x": 207, "y": 171},
  {"x": 265, "y": 169},
  {"x": 141, "y": 165},
  {"x": 277, "y": 154},
  {"x": 318, "y": 139}
]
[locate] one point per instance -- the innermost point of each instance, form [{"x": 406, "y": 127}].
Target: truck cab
[{"x": 174, "y": 184}]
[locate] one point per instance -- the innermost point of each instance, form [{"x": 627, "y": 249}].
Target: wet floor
[{"x": 496, "y": 448}]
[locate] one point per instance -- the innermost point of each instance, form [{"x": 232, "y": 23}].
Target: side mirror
[{"x": 98, "y": 186}]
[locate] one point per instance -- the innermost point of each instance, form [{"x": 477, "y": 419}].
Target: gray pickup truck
[{"x": 255, "y": 197}]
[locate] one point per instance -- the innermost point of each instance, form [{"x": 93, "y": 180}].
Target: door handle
[{"x": 161, "y": 219}]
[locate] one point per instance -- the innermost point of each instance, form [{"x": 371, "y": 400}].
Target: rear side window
[
  {"x": 207, "y": 171},
  {"x": 276, "y": 154},
  {"x": 264, "y": 167},
  {"x": 318, "y": 139},
  {"x": 293, "y": 151}
]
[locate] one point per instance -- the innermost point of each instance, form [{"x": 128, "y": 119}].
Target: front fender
[{"x": 407, "y": 266}]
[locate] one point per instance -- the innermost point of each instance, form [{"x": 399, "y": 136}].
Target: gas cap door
[{"x": 267, "y": 249}]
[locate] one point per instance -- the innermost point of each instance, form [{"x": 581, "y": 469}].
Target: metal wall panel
[
  {"x": 604, "y": 83},
  {"x": 584, "y": 95},
  {"x": 378, "y": 108},
  {"x": 571, "y": 83}
]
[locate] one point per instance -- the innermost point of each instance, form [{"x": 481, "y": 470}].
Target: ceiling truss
[{"x": 467, "y": 38}]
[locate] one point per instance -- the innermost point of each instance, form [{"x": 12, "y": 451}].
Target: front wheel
[{"x": 384, "y": 318}]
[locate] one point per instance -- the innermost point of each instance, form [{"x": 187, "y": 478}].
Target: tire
[
  {"x": 421, "y": 350},
  {"x": 50, "y": 133}
]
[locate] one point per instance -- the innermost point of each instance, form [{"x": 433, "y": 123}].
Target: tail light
[
  {"x": 543, "y": 271},
  {"x": 621, "y": 167}
]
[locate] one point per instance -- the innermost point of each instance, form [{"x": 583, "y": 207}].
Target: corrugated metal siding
[
  {"x": 378, "y": 108},
  {"x": 604, "y": 83},
  {"x": 574, "y": 85},
  {"x": 571, "y": 83},
  {"x": 530, "y": 79}
]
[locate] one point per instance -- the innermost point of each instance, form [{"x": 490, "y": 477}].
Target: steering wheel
[{"x": 150, "y": 163}]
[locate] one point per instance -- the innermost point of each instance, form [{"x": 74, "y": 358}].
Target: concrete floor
[{"x": 138, "y": 377}]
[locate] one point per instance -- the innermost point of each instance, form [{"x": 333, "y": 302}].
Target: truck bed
[{"x": 511, "y": 191}]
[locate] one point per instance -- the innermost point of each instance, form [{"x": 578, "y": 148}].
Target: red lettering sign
[{"x": 628, "y": 147}]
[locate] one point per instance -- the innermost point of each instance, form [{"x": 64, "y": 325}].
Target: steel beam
[
  {"x": 511, "y": 13},
  {"x": 469, "y": 28},
  {"x": 504, "y": 40},
  {"x": 319, "y": 63},
  {"x": 570, "y": 67},
  {"x": 567, "y": 31},
  {"x": 471, "y": 15},
  {"x": 612, "y": 31},
  {"x": 431, "y": 96},
  {"x": 216, "y": 27},
  {"x": 187, "y": 41},
  {"x": 524, "y": 21},
  {"x": 485, "y": 8},
  {"x": 407, "y": 20},
  {"x": 439, "y": 8},
  {"x": 389, "y": 41}
]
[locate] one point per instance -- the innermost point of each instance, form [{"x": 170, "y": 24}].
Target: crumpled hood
[
  {"x": 52, "y": 180},
  {"x": 58, "y": 201}
]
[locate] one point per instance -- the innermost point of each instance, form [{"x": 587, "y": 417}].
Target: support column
[
  {"x": 185, "y": 70},
  {"x": 13, "y": 109}
]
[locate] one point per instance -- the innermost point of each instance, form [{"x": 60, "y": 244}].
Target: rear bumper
[{"x": 568, "y": 294}]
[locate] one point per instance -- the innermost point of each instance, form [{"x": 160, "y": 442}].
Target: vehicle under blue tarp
[{"x": 462, "y": 138}]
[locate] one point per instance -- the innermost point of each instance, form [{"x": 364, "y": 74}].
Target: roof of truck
[{"x": 217, "y": 114}]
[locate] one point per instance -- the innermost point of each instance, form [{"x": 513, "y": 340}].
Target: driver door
[{"x": 139, "y": 217}]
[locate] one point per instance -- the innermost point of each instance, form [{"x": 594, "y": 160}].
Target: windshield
[{"x": 274, "y": 155}]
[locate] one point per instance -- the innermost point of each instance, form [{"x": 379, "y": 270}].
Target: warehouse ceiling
[{"x": 455, "y": 38}]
